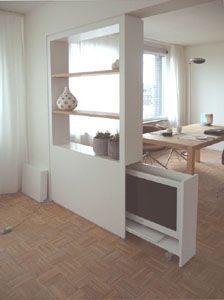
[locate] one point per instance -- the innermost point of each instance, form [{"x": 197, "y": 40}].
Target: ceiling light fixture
[{"x": 197, "y": 60}]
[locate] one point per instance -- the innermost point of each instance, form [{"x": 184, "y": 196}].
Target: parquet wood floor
[{"x": 55, "y": 254}]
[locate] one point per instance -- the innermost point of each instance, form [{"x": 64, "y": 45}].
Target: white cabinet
[{"x": 161, "y": 207}]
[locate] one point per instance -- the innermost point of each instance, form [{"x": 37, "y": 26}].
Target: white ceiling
[
  {"x": 21, "y": 7},
  {"x": 24, "y": 7},
  {"x": 194, "y": 25}
]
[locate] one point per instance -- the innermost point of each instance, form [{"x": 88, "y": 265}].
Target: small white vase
[
  {"x": 66, "y": 101},
  {"x": 115, "y": 65}
]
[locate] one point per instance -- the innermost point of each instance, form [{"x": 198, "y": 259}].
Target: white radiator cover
[{"x": 34, "y": 182}]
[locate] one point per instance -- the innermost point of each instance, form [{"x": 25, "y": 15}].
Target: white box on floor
[{"x": 34, "y": 182}]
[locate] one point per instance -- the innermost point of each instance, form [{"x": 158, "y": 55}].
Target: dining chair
[
  {"x": 179, "y": 154},
  {"x": 149, "y": 149}
]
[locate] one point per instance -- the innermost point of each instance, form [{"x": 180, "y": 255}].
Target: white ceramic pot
[
  {"x": 66, "y": 100},
  {"x": 113, "y": 150},
  {"x": 100, "y": 146}
]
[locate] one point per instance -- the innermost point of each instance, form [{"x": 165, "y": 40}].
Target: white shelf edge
[
  {"x": 86, "y": 150},
  {"x": 152, "y": 225},
  {"x": 150, "y": 235},
  {"x": 172, "y": 175},
  {"x": 154, "y": 178},
  {"x": 144, "y": 232}
]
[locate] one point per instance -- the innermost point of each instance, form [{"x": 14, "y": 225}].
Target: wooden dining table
[{"x": 192, "y": 140}]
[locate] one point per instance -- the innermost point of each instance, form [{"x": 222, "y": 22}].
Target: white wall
[
  {"x": 207, "y": 83},
  {"x": 51, "y": 18},
  {"x": 91, "y": 186}
]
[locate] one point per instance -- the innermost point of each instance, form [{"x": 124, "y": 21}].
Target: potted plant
[
  {"x": 100, "y": 143},
  {"x": 113, "y": 146}
]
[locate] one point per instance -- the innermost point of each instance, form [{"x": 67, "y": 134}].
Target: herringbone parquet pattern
[{"x": 55, "y": 254}]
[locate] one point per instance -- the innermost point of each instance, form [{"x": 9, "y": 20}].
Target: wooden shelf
[
  {"x": 95, "y": 114},
  {"x": 90, "y": 73}
]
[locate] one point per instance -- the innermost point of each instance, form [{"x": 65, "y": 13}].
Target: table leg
[
  {"x": 190, "y": 161},
  {"x": 198, "y": 155}
]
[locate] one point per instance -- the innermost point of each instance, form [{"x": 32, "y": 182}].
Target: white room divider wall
[{"x": 89, "y": 185}]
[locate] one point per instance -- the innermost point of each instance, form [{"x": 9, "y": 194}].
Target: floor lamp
[{"x": 197, "y": 61}]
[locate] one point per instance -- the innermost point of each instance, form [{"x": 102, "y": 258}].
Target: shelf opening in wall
[
  {"x": 90, "y": 69},
  {"x": 94, "y": 93},
  {"x": 83, "y": 129}
]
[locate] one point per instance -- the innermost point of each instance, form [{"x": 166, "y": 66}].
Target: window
[{"x": 154, "y": 69}]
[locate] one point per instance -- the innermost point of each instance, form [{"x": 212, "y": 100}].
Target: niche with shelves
[{"x": 97, "y": 91}]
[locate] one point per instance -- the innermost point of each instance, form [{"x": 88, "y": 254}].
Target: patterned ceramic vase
[{"x": 66, "y": 100}]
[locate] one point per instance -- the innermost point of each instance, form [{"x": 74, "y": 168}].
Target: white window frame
[{"x": 156, "y": 50}]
